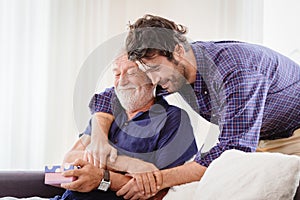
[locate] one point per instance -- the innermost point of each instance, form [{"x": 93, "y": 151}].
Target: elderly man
[{"x": 145, "y": 130}]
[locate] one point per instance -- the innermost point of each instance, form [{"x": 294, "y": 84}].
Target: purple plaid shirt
[{"x": 249, "y": 91}]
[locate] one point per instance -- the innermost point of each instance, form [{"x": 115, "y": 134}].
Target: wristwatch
[{"x": 105, "y": 182}]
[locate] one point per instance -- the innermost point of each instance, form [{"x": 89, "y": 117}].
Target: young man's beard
[
  {"x": 177, "y": 79},
  {"x": 132, "y": 99}
]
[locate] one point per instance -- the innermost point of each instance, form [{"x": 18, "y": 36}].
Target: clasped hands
[
  {"x": 145, "y": 179},
  {"x": 142, "y": 185}
]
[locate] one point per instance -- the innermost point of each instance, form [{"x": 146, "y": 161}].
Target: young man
[
  {"x": 249, "y": 91},
  {"x": 148, "y": 133}
]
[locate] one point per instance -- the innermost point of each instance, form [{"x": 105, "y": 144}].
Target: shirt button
[
  {"x": 205, "y": 92},
  {"x": 115, "y": 141},
  {"x": 126, "y": 123}
]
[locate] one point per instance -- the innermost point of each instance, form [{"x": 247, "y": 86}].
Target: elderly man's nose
[{"x": 123, "y": 80}]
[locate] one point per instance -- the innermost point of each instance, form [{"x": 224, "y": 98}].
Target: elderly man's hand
[
  {"x": 142, "y": 186},
  {"x": 88, "y": 177}
]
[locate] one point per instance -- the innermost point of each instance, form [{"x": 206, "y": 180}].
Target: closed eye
[
  {"x": 152, "y": 68},
  {"x": 132, "y": 71},
  {"x": 116, "y": 74}
]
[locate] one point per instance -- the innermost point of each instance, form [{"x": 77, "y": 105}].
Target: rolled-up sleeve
[{"x": 102, "y": 102}]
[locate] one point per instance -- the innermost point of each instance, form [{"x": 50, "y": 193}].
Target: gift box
[{"x": 54, "y": 177}]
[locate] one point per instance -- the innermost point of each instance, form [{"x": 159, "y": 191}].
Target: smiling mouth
[{"x": 126, "y": 89}]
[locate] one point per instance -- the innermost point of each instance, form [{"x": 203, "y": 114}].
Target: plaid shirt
[{"x": 249, "y": 91}]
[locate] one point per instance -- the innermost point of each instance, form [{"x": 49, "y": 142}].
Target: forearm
[
  {"x": 186, "y": 173},
  {"x": 130, "y": 165},
  {"x": 101, "y": 123},
  {"x": 77, "y": 150},
  {"x": 81, "y": 143},
  {"x": 118, "y": 180},
  {"x": 99, "y": 148}
]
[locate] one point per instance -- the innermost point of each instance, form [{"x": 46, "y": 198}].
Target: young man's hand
[
  {"x": 99, "y": 149},
  {"x": 143, "y": 185}
]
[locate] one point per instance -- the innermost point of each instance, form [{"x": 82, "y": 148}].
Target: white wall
[
  {"x": 66, "y": 36},
  {"x": 281, "y": 27}
]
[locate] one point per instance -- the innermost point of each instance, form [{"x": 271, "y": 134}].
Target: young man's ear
[{"x": 179, "y": 50}]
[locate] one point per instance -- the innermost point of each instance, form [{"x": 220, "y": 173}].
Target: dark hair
[{"x": 152, "y": 35}]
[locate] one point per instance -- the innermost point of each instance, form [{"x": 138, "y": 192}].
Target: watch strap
[
  {"x": 105, "y": 182},
  {"x": 106, "y": 175}
]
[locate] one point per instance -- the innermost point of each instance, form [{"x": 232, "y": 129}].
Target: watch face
[{"x": 104, "y": 185}]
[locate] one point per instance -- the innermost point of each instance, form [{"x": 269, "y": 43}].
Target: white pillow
[
  {"x": 180, "y": 192},
  {"x": 250, "y": 176}
]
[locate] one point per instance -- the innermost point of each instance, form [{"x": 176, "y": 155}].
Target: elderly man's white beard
[{"x": 131, "y": 99}]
